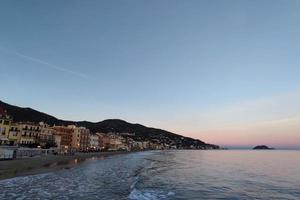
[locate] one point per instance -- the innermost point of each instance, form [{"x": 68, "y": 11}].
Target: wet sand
[{"x": 36, "y": 165}]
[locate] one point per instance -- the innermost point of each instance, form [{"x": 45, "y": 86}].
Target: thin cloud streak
[{"x": 49, "y": 65}]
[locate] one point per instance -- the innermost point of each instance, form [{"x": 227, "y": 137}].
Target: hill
[{"x": 139, "y": 132}]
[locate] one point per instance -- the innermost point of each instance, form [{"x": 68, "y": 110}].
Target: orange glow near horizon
[
  {"x": 273, "y": 121},
  {"x": 281, "y": 133}
]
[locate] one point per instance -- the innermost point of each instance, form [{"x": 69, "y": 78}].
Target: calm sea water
[{"x": 168, "y": 175}]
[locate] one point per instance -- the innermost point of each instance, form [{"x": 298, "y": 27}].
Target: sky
[{"x": 226, "y": 72}]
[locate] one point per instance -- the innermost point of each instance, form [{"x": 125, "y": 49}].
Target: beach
[{"x": 43, "y": 164}]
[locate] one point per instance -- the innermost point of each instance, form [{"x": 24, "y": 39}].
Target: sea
[{"x": 176, "y": 175}]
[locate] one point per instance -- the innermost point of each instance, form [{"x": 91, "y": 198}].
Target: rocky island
[{"x": 262, "y": 147}]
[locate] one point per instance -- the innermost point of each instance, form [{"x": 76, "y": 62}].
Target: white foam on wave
[
  {"x": 132, "y": 186},
  {"x": 148, "y": 195}
]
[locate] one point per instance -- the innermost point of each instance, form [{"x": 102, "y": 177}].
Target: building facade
[
  {"x": 14, "y": 136},
  {"x": 103, "y": 141},
  {"x": 117, "y": 142},
  {"x": 80, "y": 138},
  {"x": 30, "y": 133},
  {"x": 46, "y": 139},
  {"x": 64, "y": 138},
  {"x": 94, "y": 142}
]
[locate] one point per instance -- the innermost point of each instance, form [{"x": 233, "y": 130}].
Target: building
[
  {"x": 57, "y": 140},
  {"x": 137, "y": 145},
  {"x": 4, "y": 140},
  {"x": 94, "y": 142},
  {"x": 145, "y": 145},
  {"x": 14, "y": 136},
  {"x": 80, "y": 138},
  {"x": 46, "y": 139},
  {"x": 117, "y": 142},
  {"x": 5, "y": 123},
  {"x": 30, "y": 133},
  {"x": 103, "y": 141},
  {"x": 63, "y": 138}
]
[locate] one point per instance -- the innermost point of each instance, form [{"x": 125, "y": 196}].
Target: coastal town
[{"x": 28, "y": 139}]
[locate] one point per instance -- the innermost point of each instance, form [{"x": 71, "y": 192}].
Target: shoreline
[
  {"x": 49, "y": 163},
  {"x": 43, "y": 164}
]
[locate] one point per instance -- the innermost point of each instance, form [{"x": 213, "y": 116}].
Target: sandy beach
[{"x": 36, "y": 165}]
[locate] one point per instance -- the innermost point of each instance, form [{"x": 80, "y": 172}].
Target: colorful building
[
  {"x": 14, "y": 134},
  {"x": 30, "y": 133},
  {"x": 80, "y": 138},
  {"x": 63, "y": 138},
  {"x": 103, "y": 141}
]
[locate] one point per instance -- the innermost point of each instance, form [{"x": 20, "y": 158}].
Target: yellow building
[
  {"x": 30, "y": 133},
  {"x": 5, "y": 123},
  {"x": 14, "y": 136}
]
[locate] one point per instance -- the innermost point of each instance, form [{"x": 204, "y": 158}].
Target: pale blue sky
[{"x": 178, "y": 65}]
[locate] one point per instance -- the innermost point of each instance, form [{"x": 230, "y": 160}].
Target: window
[{"x": 6, "y": 122}]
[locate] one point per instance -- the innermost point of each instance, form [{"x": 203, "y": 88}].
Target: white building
[
  {"x": 94, "y": 142},
  {"x": 57, "y": 140}
]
